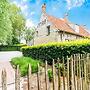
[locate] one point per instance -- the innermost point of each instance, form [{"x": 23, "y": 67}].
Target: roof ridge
[{"x": 59, "y": 23}]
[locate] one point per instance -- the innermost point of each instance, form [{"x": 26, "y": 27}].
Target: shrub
[
  {"x": 56, "y": 50},
  {"x": 15, "y": 41},
  {"x": 50, "y": 75},
  {"x": 23, "y": 63},
  {"x": 15, "y": 47}
]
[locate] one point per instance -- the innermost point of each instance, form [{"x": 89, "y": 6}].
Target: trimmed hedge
[
  {"x": 15, "y": 47},
  {"x": 56, "y": 50}
]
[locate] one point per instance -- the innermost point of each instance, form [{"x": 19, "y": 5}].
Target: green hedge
[
  {"x": 15, "y": 47},
  {"x": 56, "y": 50}
]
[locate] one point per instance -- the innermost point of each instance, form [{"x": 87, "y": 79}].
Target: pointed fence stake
[
  {"x": 4, "y": 80},
  {"x": 53, "y": 69},
  {"x": 29, "y": 77},
  {"x": 17, "y": 78},
  {"x": 59, "y": 76},
  {"x": 46, "y": 76},
  {"x": 38, "y": 78}
]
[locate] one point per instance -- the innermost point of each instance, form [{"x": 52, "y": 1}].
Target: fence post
[
  {"x": 68, "y": 87},
  {"x": 38, "y": 77},
  {"x": 77, "y": 66},
  {"x": 53, "y": 70},
  {"x": 79, "y": 72},
  {"x": 59, "y": 76},
  {"x": 4, "y": 80},
  {"x": 87, "y": 70},
  {"x": 72, "y": 75},
  {"x": 88, "y": 79},
  {"x": 74, "y": 60},
  {"x": 29, "y": 77},
  {"x": 46, "y": 76},
  {"x": 85, "y": 75},
  {"x": 17, "y": 78},
  {"x": 63, "y": 74}
]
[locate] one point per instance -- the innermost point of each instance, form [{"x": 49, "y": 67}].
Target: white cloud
[
  {"x": 15, "y": 2},
  {"x": 29, "y": 23},
  {"x": 23, "y": 7},
  {"x": 32, "y": 13},
  {"x": 24, "y": 0},
  {"x": 74, "y": 3}
]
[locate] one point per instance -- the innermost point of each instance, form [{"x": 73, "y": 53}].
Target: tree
[
  {"x": 29, "y": 34},
  {"x": 18, "y": 22},
  {"x": 5, "y": 23},
  {"x": 12, "y": 22}
]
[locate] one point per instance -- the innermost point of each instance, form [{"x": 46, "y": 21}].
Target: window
[
  {"x": 48, "y": 29},
  {"x": 61, "y": 36},
  {"x": 66, "y": 39},
  {"x": 37, "y": 33}
]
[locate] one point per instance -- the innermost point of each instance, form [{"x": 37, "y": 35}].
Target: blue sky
[{"x": 78, "y": 10}]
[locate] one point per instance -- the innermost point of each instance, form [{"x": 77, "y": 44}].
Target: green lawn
[{"x": 23, "y": 64}]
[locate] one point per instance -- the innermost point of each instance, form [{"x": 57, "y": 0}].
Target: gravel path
[{"x": 5, "y": 57}]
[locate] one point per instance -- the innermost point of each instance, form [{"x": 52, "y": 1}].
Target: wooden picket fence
[{"x": 75, "y": 75}]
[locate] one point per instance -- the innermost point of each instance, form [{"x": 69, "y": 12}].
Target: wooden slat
[
  {"x": 53, "y": 69},
  {"x": 68, "y": 87},
  {"x": 4, "y": 80},
  {"x": 72, "y": 75},
  {"x": 38, "y": 78},
  {"x": 29, "y": 77},
  {"x": 46, "y": 76},
  {"x": 17, "y": 78},
  {"x": 59, "y": 76},
  {"x": 64, "y": 85}
]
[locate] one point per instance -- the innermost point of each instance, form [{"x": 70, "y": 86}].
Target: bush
[
  {"x": 50, "y": 75},
  {"x": 23, "y": 63},
  {"x": 15, "y": 47},
  {"x": 15, "y": 41},
  {"x": 56, "y": 50}
]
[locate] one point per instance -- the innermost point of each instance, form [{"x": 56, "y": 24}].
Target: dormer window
[{"x": 48, "y": 29}]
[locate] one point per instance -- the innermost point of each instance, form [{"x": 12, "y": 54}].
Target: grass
[{"x": 23, "y": 64}]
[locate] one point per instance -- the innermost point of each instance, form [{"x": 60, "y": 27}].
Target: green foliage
[
  {"x": 60, "y": 66},
  {"x": 12, "y": 22},
  {"x": 29, "y": 34},
  {"x": 57, "y": 50},
  {"x": 50, "y": 74},
  {"x": 15, "y": 40},
  {"x": 15, "y": 47},
  {"x": 18, "y": 21},
  {"x": 5, "y": 23},
  {"x": 23, "y": 63}
]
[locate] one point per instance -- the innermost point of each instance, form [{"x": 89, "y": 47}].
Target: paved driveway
[{"x": 5, "y": 57}]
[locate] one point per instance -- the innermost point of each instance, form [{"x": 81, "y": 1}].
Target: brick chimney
[{"x": 44, "y": 8}]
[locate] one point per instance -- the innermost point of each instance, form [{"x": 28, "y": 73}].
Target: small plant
[
  {"x": 50, "y": 74},
  {"x": 60, "y": 67},
  {"x": 23, "y": 64}
]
